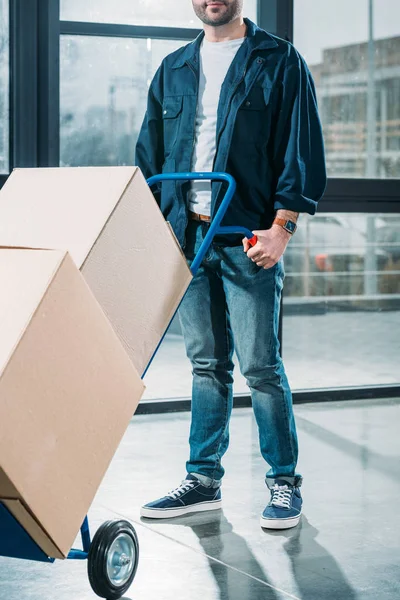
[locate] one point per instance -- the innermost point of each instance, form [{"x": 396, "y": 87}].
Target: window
[
  {"x": 353, "y": 51},
  {"x": 104, "y": 80},
  {"x": 167, "y": 13},
  {"x": 4, "y": 87},
  {"x": 104, "y": 85},
  {"x": 342, "y": 301}
]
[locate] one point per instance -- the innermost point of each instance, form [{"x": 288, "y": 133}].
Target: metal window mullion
[
  {"x": 276, "y": 16},
  {"x": 361, "y": 195},
  {"x": 343, "y": 206},
  {"x": 343, "y": 394},
  {"x": 23, "y": 83},
  {"x": 48, "y": 83},
  {"x": 267, "y": 15},
  {"x": 285, "y": 19},
  {"x": 3, "y": 179},
  {"x": 34, "y": 90},
  {"x": 130, "y": 31}
]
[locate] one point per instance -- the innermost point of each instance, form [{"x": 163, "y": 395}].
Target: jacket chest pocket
[
  {"x": 171, "y": 114},
  {"x": 252, "y": 123}
]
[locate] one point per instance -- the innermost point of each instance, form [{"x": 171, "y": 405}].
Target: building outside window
[{"x": 354, "y": 56}]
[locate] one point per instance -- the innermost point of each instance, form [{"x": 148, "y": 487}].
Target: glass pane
[
  {"x": 4, "y": 86},
  {"x": 341, "y": 309},
  {"x": 342, "y": 301},
  {"x": 104, "y": 84},
  {"x": 353, "y": 50},
  {"x": 167, "y": 13}
]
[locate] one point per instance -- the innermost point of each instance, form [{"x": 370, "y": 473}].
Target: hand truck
[{"x": 113, "y": 554}]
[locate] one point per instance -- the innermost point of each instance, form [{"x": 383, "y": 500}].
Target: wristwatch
[{"x": 289, "y": 226}]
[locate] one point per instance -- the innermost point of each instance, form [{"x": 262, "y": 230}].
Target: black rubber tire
[{"x": 97, "y": 559}]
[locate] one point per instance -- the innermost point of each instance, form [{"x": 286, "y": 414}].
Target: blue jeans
[{"x": 232, "y": 303}]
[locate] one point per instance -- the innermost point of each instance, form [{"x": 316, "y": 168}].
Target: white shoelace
[
  {"x": 281, "y": 496},
  {"x": 186, "y": 485}
]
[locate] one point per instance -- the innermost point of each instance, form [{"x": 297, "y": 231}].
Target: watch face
[{"x": 290, "y": 226}]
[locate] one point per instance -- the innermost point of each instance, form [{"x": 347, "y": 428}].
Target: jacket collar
[{"x": 257, "y": 38}]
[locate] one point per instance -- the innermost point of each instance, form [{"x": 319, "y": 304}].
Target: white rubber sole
[
  {"x": 279, "y": 523},
  {"x": 170, "y": 513}
]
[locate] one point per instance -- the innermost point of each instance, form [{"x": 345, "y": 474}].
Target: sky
[{"x": 321, "y": 24}]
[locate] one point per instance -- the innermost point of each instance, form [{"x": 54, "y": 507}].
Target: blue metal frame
[
  {"x": 215, "y": 226},
  {"x": 15, "y": 542},
  {"x": 86, "y": 541}
]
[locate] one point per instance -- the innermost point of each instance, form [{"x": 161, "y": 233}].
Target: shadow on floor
[
  {"x": 316, "y": 572},
  {"x": 240, "y": 575},
  {"x": 237, "y": 572},
  {"x": 235, "y": 558}
]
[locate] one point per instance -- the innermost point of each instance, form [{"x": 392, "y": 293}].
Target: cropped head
[{"x": 217, "y": 12}]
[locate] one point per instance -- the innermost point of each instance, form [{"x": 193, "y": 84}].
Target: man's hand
[{"x": 270, "y": 246}]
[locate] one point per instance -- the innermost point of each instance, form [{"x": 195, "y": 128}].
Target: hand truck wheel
[{"x": 113, "y": 559}]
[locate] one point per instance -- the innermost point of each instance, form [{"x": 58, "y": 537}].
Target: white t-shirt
[{"x": 215, "y": 60}]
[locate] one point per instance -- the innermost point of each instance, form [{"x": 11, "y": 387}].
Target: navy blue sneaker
[
  {"x": 284, "y": 508},
  {"x": 189, "y": 497}
]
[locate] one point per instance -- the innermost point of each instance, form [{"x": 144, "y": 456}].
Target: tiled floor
[{"x": 347, "y": 547}]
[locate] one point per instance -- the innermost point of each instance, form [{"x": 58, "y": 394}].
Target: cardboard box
[
  {"x": 67, "y": 393},
  {"x": 109, "y": 221}
]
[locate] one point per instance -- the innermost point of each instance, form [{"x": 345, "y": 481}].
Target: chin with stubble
[{"x": 217, "y": 12}]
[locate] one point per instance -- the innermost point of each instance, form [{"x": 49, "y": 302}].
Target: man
[{"x": 241, "y": 101}]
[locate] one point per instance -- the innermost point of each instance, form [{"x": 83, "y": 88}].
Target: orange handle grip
[{"x": 253, "y": 241}]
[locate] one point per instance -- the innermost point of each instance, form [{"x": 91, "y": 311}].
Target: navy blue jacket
[{"x": 268, "y": 132}]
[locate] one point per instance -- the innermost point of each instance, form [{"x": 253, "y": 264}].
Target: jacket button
[
  {"x": 260, "y": 60},
  {"x": 248, "y": 103},
  {"x": 165, "y": 112}
]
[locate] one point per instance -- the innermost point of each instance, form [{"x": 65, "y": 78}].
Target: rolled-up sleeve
[{"x": 299, "y": 158}]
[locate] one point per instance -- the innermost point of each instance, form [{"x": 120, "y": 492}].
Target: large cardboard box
[
  {"x": 109, "y": 221},
  {"x": 67, "y": 393}
]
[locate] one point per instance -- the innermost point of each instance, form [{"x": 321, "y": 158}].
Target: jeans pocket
[{"x": 280, "y": 265}]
